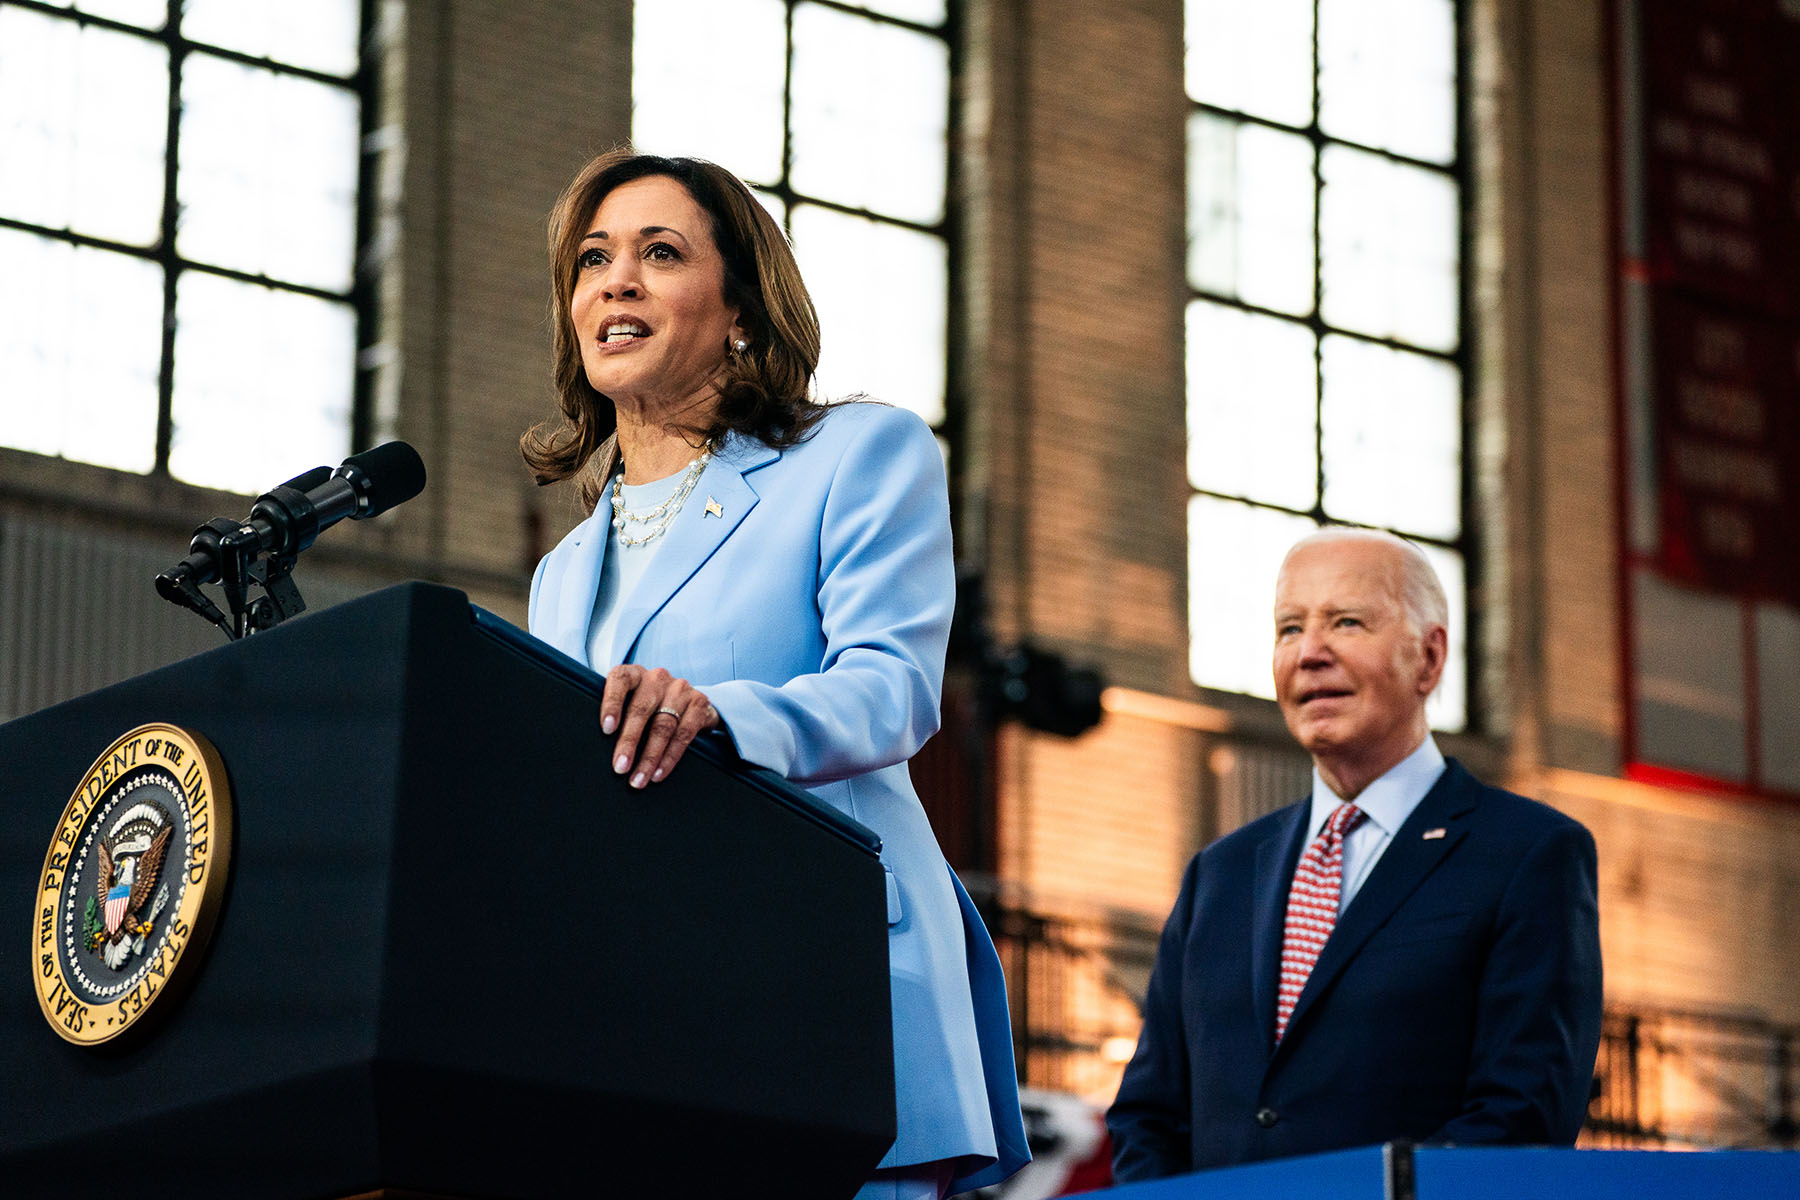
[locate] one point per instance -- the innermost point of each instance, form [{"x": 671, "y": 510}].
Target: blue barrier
[{"x": 1398, "y": 1171}]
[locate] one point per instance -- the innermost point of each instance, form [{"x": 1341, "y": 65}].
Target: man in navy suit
[{"x": 1456, "y": 995}]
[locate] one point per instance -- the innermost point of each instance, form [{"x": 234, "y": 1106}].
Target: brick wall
[
  {"x": 1696, "y": 895},
  {"x": 1561, "y": 413},
  {"x": 1074, "y": 247},
  {"x": 1107, "y": 820}
]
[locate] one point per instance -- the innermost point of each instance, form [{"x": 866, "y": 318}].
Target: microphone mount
[
  {"x": 262, "y": 549},
  {"x": 238, "y": 549}
]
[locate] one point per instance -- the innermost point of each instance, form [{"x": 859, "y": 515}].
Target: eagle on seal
[{"x": 125, "y": 887}]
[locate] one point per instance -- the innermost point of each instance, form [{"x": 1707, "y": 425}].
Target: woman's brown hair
[{"x": 764, "y": 392}]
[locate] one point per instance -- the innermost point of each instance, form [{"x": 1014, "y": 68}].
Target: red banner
[
  {"x": 1728, "y": 447},
  {"x": 1720, "y": 198}
]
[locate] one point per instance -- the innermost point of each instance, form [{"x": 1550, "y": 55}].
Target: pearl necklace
[{"x": 663, "y": 515}]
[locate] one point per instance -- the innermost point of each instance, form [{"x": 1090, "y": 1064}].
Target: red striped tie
[{"x": 1312, "y": 908}]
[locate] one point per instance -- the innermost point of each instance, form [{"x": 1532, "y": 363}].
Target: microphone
[{"x": 287, "y": 519}]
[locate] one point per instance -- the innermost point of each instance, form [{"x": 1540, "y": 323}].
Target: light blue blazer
[{"x": 814, "y": 614}]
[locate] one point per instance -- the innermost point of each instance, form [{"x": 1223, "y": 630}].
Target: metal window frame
[
  {"x": 1467, "y": 544},
  {"x": 946, "y": 228},
  {"x": 364, "y": 83}
]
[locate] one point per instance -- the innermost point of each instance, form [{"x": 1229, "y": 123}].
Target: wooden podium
[{"x": 456, "y": 955}]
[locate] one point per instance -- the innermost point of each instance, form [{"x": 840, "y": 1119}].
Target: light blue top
[{"x": 625, "y": 564}]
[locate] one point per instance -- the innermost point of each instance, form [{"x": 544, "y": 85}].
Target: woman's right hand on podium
[{"x": 657, "y": 716}]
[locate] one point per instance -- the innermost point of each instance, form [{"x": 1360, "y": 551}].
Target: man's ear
[{"x": 1434, "y": 653}]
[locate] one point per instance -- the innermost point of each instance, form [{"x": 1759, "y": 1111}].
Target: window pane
[
  {"x": 1448, "y": 707},
  {"x": 268, "y": 173},
  {"x": 145, "y": 14},
  {"x": 881, "y": 294},
  {"x": 924, "y": 12},
  {"x": 1252, "y": 403},
  {"x": 320, "y": 35},
  {"x": 1391, "y": 424},
  {"x": 1254, "y": 58},
  {"x": 1234, "y": 553},
  {"x": 80, "y": 351},
  {"x": 1388, "y": 249},
  {"x": 263, "y": 383},
  {"x": 1387, "y": 75},
  {"x": 772, "y": 204},
  {"x": 1250, "y": 213},
  {"x": 694, "y": 60},
  {"x": 83, "y": 114},
  {"x": 869, "y": 114}
]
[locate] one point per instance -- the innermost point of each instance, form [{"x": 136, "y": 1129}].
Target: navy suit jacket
[{"x": 1457, "y": 1000}]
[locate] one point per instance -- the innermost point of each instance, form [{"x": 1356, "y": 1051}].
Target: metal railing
[
  {"x": 1074, "y": 986},
  {"x": 1684, "y": 1078}
]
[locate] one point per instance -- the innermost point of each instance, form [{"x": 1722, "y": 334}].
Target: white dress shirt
[{"x": 1386, "y": 803}]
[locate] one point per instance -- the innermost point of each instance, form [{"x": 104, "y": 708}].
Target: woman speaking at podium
[{"x": 764, "y": 564}]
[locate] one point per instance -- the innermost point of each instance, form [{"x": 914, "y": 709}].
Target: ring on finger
[{"x": 673, "y": 712}]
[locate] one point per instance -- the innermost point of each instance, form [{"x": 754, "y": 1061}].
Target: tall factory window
[
  {"x": 1326, "y": 314},
  {"x": 179, "y": 212},
  {"x": 838, "y": 115}
]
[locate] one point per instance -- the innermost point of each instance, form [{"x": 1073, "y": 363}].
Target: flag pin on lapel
[
  {"x": 1432, "y": 834},
  {"x": 714, "y": 508}
]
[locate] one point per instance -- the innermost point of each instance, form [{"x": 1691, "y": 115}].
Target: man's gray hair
[{"x": 1421, "y": 593}]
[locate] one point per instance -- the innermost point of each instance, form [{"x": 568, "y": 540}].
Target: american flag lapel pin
[{"x": 1432, "y": 834}]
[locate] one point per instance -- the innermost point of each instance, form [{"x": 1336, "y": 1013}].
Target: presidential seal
[{"x": 132, "y": 882}]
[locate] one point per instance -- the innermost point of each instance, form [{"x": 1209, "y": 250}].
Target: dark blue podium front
[{"x": 1403, "y": 1172}]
